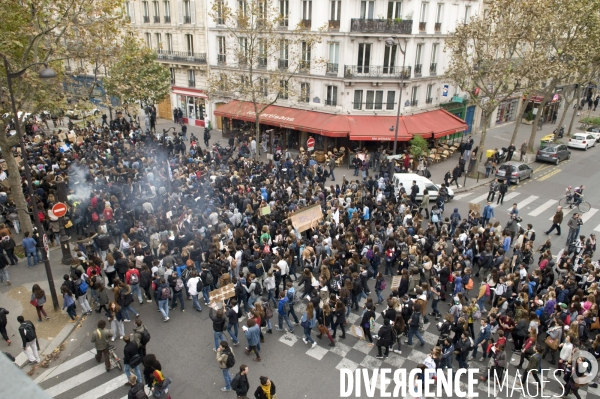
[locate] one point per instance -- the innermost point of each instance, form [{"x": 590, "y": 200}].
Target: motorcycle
[{"x": 559, "y": 132}]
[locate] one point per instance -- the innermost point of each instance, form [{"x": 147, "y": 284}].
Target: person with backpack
[
  {"x": 125, "y": 299},
  {"x": 133, "y": 277},
  {"x": 413, "y": 325},
  {"x": 255, "y": 290},
  {"x": 137, "y": 388},
  {"x": 81, "y": 288},
  {"x": 176, "y": 284},
  {"x": 131, "y": 358},
  {"x": 455, "y": 219},
  {"x": 141, "y": 336},
  {"x": 195, "y": 286},
  {"x": 207, "y": 280},
  {"x": 283, "y": 310},
  {"x": 30, "y": 246},
  {"x": 225, "y": 360},
  {"x": 240, "y": 383},
  {"x": 163, "y": 294},
  {"x": 293, "y": 297},
  {"x": 219, "y": 326},
  {"x": 29, "y": 339},
  {"x": 380, "y": 285}
]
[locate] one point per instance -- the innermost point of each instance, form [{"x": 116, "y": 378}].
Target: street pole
[
  {"x": 67, "y": 257},
  {"x": 36, "y": 219},
  {"x": 399, "y": 112}
]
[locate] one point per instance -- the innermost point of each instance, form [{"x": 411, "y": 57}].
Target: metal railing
[
  {"x": 221, "y": 59},
  {"x": 262, "y": 62},
  {"x": 433, "y": 68},
  {"x": 381, "y": 26},
  {"x": 187, "y": 19},
  {"x": 282, "y": 64},
  {"x": 437, "y": 27},
  {"x": 156, "y": 19},
  {"x": 422, "y": 26},
  {"x": 414, "y": 103},
  {"x": 331, "y": 103},
  {"x": 360, "y": 71},
  {"x": 191, "y": 83},
  {"x": 418, "y": 68},
  {"x": 306, "y": 23},
  {"x": 332, "y": 68},
  {"x": 146, "y": 19},
  {"x": 334, "y": 24},
  {"x": 185, "y": 56},
  {"x": 167, "y": 19},
  {"x": 428, "y": 100}
]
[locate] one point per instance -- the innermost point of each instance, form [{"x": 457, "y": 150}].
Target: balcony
[
  {"x": 438, "y": 27},
  {"x": 433, "y": 68},
  {"x": 187, "y": 19},
  {"x": 359, "y": 71},
  {"x": 332, "y": 68},
  {"x": 167, "y": 19},
  {"x": 428, "y": 100},
  {"x": 381, "y": 26},
  {"x": 305, "y": 24},
  {"x": 156, "y": 19},
  {"x": 304, "y": 67},
  {"x": 282, "y": 64},
  {"x": 331, "y": 103},
  {"x": 418, "y": 68},
  {"x": 422, "y": 26},
  {"x": 191, "y": 83},
  {"x": 185, "y": 56},
  {"x": 334, "y": 25},
  {"x": 221, "y": 59},
  {"x": 262, "y": 63},
  {"x": 146, "y": 19},
  {"x": 414, "y": 103}
]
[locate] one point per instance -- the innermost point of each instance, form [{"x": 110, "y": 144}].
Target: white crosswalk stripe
[
  {"x": 588, "y": 215},
  {"x": 566, "y": 211},
  {"x": 537, "y": 211},
  {"x": 525, "y": 202},
  {"x": 512, "y": 195},
  {"x": 105, "y": 388},
  {"x": 462, "y": 195},
  {"x": 597, "y": 228},
  {"x": 68, "y": 365},
  {"x": 79, "y": 379},
  {"x": 479, "y": 199}
]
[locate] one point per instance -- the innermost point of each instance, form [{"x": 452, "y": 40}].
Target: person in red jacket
[{"x": 132, "y": 277}]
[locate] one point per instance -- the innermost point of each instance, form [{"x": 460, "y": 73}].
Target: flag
[{"x": 336, "y": 216}]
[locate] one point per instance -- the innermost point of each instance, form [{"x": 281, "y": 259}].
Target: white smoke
[{"x": 80, "y": 188}]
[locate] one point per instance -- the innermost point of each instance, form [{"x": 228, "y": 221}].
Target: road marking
[
  {"x": 542, "y": 208},
  {"x": 525, "y": 202},
  {"x": 541, "y": 167},
  {"x": 566, "y": 211},
  {"x": 77, "y": 380},
  {"x": 586, "y": 216},
  {"x": 549, "y": 175},
  {"x": 479, "y": 199},
  {"x": 597, "y": 228},
  {"x": 511, "y": 195},
  {"x": 68, "y": 365},
  {"x": 105, "y": 388},
  {"x": 461, "y": 196}
]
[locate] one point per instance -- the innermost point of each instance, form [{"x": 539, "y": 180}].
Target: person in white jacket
[
  {"x": 269, "y": 284},
  {"x": 566, "y": 352},
  {"x": 192, "y": 285}
]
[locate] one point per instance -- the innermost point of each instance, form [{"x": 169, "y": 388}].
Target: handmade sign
[
  {"x": 220, "y": 294},
  {"x": 395, "y": 283},
  {"x": 265, "y": 210},
  {"x": 358, "y": 332},
  {"x": 475, "y": 207},
  {"x": 306, "y": 218}
]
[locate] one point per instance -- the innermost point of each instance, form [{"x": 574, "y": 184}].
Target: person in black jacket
[
  {"x": 130, "y": 350},
  {"x": 3, "y": 321},
  {"x": 266, "y": 385},
  {"x": 219, "y": 321},
  {"x": 365, "y": 322},
  {"x": 29, "y": 338},
  {"x": 240, "y": 383},
  {"x": 136, "y": 386},
  {"x": 385, "y": 339}
]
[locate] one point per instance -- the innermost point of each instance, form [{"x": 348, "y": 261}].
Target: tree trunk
[
  {"x": 575, "y": 97},
  {"x": 481, "y": 151},
  {"x": 257, "y": 129},
  {"x": 564, "y": 114},
  {"x": 535, "y": 125},
  {"x": 518, "y": 121},
  {"x": 16, "y": 190}
]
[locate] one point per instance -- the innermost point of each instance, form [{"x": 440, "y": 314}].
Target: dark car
[{"x": 553, "y": 153}]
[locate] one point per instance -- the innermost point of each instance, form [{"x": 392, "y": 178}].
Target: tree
[
  {"x": 486, "y": 57},
  {"x": 261, "y": 58},
  {"x": 49, "y": 32},
  {"x": 136, "y": 76}
]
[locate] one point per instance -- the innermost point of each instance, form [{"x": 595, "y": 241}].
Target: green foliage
[
  {"x": 592, "y": 121},
  {"x": 529, "y": 116},
  {"x": 136, "y": 76},
  {"x": 418, "y": 146}
]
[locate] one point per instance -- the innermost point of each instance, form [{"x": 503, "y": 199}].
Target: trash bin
[
  {"x": 546, "y": 140},
  {"x": 490, "y": 153}
]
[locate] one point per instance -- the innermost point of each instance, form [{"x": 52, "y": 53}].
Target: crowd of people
[{"x": 161, "y": 221}]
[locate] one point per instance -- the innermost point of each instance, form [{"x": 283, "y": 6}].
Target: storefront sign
[
  {"x": 445, "y": 91},
  {"x": 272, "y": 116},
  {"x": 555, "y": 98},
  {"x": 457, "y": 99}
]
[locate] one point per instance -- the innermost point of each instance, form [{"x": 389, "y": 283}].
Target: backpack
[
  {"x": 337, "y": 284},
  {"x": 230, "y": 362},
  {"x": 257, "y": 288},
  {"x": 178, "y": 285},
  {"x": 140, "y": 394},
  {"x": 455, "y": 219},
  {"x": 382, "y": 285},
  {"x": 240, "y": 291},
  {"x": 144, "y": 337},
  {"x": 83, "y": 287},
  {"x": 165, "y": 293},
  {"x": 469, "y": 285},
  {"x": 477, "y": 315},
  {"x": 41, "y": 216},
  {"x": 487, "y": 290},
  {"x": 369, "y": 254},
  {"x": 94, "y": 216},
  {"x": 209, "y": 278},
  {"x": 28, "y": 332},
  {"x": 133, "y": 279},
  {"x": 286, "y": 307},
  {"x": 199, "y": 285},
  {"x": 532, "y": 236}
]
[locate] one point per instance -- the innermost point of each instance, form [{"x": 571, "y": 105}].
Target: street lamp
[
  {"x": 45, "y": 73},
  {"x": 389, "y": 42}
]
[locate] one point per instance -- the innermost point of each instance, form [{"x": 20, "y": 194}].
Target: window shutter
[
  {"x": 180, "y": 11},
  {"x": 193, "y": 11},
  {"x": 132, "y": 9}
]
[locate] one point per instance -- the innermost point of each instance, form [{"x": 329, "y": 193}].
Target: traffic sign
[
  {"x": 45, "y": 240},
  {"x": 59, "y": 209},
  {"x": 310, "y": 144}
]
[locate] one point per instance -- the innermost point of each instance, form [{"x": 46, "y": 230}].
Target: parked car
[
  {"x": 582, "y": 141},
  {"x": 553, "y": 153},
  {"x": 593, "y": 129},
  {"x": 596, "y": 134},
  {"x": 513, "y": 172}
]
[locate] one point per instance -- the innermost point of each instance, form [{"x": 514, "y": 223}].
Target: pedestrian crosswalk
[{"x": 82, "y": 377}]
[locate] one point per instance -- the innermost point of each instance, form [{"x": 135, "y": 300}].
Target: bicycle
[
  {"x": 583, "y": 206},
  {"x": 114, "y": 359}
]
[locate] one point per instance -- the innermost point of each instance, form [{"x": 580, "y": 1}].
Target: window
[
  {"x": 389, "y": 59},
  {"x": 146, "y": 11},
  {"x": 158, "y": 38},
  {"x": 188, "y": 12},
  {"x": 335, "y": 10},
  {"x": 242, "y": 8},
  {"x": 391, "y": 99},
  {"x": 284, "y": 12},
  {"x": 307, "y": 10},
  {"x": 334, "y": 53},
  {"x": 130, "y": 10},
  {"x": 366, "y": 9},
  {"x": 172, "y": 70},
  {"x": 304, "y": 92},
  {"x": 439, "y": 13},
  {"x": 191, "y": 78},
  {"x": 414, "y": 95},
  {"x": 148, "y": 37},
  {"x": 243, "y": 51},
  {"x": 189, "y": 44},
  {"x": 220, "y": 16},
  {"x": 169, "y": 42},
  {"x": 418, "y": 65},
  {"x": 394, "y": 9},
  {"x": 283, "y": 53},
  {"x": 423, "y": 17},
  {"x": 156, "y": 8},
  {"x": 374, "y": 99},
  {"x": 262, "y": 53},
  {"x": 167, "y": 11},
  {"x": 428, "y": 95},
  {"x": 364, "y": 57},
  {"x": 305, "y": 61},
  {"x": 263, "y": 87},
  {"x": 331, "y": 96},
  {"x": 222, "y": 57},
  {"x": 283, "y": 89},
  {"x": 358, "y": 99},
  {"x": 467, "y": 14},
  {"x": 433, "y": 65}
]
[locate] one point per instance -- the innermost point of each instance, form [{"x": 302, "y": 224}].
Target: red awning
[
  {"x": 307, "y": 121},
  {"x": 539, "y": 99},
  {"x": 436, "y": 124},
  {"x": 189, "y": 92}
]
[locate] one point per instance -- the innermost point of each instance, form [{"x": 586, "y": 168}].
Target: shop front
[
  {"x": 547, "y": 112},
  {"x": 192, "y": 103},
  {"x": 507, "y": 111}
]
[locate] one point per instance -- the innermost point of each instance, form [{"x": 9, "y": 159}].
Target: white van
[{"x": 424, "y": 183}]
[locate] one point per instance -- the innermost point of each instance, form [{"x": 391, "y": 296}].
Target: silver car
[
  {"x": 553, "y": 153},
  {"x": 513, "y": 172}
]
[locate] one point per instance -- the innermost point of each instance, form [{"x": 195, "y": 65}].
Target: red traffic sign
[
  {"x": 310, "y": 143},
  {"x": 59, "y": 209}
]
